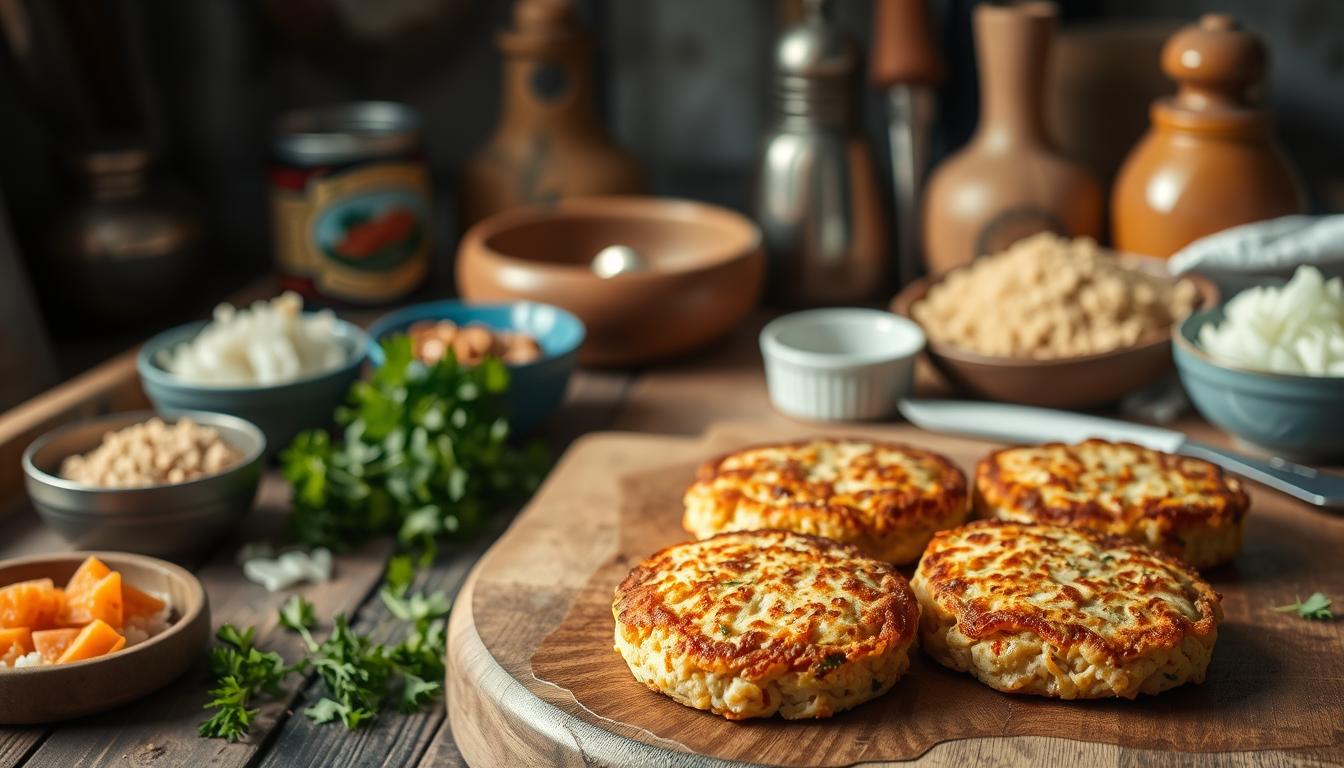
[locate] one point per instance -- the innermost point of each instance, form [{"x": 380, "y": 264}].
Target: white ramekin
[{"x": 840, "y": 364}]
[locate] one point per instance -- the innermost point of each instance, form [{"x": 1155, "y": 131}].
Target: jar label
[{"x": 361, "y": 235}]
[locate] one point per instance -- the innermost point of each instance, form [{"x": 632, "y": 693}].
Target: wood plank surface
[
  {"x": 162, "y": 729},
  {"x": 682, "y": 397}
]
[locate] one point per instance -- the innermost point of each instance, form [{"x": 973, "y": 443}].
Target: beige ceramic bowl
[
  {"x": 703, "y": 275},
  {"x": 1083, "y": 381},
  {"x": 64, "y": 691}
]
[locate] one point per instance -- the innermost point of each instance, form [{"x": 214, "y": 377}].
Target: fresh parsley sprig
[
  {"x": 1317, "y": 607},
  {"x": 360, "y": 678},
  {"x": 241, "y": 672},
  {"x": 424, "y": 454}
]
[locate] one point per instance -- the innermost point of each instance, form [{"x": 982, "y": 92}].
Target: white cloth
[{"x": 1253, "y": 252}]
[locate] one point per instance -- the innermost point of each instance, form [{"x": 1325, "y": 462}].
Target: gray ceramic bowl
[
  {"x": 162, "y": 520},
  {"x": 281, "y": 411},
  {"x": 1297, "y": 417}
]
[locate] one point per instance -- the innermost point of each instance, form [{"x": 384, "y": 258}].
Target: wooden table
[{"x": 724, "y": 382}]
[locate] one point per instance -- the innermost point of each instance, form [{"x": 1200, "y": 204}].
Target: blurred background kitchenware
[
  {"x": 1210, "y": 160},
  {"x": 123, "y": 246},
  {"x": 817, "y": 196},
  {"x": 1082, "y": 381},
  {"x": 704, "y": 273},
  {"x": 1009, "y": 182},
  {"x": 1298, "y": 417},
  {"x": 550, "y": 142},
  {"x": 50, "y": 693},
  {"x": 1100, "y": 80},
  {"x": 536, "y": 389},
  {"x": 350, "y": 202},
  {"x": 28, "y": 366},
  {"x": 173, "y": 520},
  {"x": 280, "y": 411},
  {"x": 840, "y": 364},
  {"x": 904, "y": 63}
]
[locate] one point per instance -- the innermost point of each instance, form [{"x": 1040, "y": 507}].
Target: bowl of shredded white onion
[
  {"x": 271, "y": 363},
  {"x": 1268, "y": 366}
]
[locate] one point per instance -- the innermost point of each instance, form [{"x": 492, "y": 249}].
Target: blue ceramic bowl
[
  {"x": 1297, "y": 417},
  {"x": 281, "y": 411},
  {"x": 535, "y": 389}
]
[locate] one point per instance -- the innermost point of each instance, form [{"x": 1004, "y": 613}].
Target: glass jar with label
[{"x": 350, "y": 202}]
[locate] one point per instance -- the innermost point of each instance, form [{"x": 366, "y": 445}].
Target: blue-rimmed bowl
[
  {"x": 281, "y": 411},
  {"x": 1297, "y": 417},
  {"x": 536, "y": 389}
]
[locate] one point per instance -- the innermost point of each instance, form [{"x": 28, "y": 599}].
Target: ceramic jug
[
  {"x": 1008, "y": 182},
  {"x": 1210, "y": 160},
  {"x": 550, "y": 142}
]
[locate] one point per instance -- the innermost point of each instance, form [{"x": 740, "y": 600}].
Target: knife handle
[
  {"x": 904, "y": 48},
  {"x": 1297, "y": 480}
]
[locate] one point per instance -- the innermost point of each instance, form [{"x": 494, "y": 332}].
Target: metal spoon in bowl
[{"x": 617, "y": 260}]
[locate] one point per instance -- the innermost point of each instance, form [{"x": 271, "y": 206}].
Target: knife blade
[{"x": 1026, "y": 424}]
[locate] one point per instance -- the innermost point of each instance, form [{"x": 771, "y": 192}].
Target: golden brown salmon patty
[
  {"x": 887, "y": 499},
  {"x": 1175, "y": 504},
  {"x": 753, "y": 623},
  {"x": 1063, "y": 612}
]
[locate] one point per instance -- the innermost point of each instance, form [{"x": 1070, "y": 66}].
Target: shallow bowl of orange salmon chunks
[{"x": 83, "y": 632}]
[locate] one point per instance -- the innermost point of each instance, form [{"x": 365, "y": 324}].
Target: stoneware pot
[
  {"x": 1297, "y": 417},
  {"x": 1084, "y": 381},
  {"x": 1210, "y": 160},
  {"x": 702, "y": 271},
  {"x": 64, "y": 691}
]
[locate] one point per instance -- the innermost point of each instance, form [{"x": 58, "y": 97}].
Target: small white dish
[{"x": 840, "y": 364}]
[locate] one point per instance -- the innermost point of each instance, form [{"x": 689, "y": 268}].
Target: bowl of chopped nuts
[
  {"x": 1053, "y": 322},
  {"x": 538, "y": 344},
  {"x": 138, "y": 482}
]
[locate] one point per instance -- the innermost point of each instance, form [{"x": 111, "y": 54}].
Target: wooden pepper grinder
[
  {"x": 1209, "y": 161},
  {"x": 1008, "y": 182},
  {"x": 550, "y": 142}
]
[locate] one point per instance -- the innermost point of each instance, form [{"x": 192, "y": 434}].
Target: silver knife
[{"x": 1025, "y": 424}]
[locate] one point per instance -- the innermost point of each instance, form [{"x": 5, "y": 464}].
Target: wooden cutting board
[{"x": 533, "y": 677}]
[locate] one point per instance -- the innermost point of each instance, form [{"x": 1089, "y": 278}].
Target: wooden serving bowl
[
  {"x": 1083, "y": 381},
  {"x": 705, "y": 267},
  {"x": 60, "y": 692}
]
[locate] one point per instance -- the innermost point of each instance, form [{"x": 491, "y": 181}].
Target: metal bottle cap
[
  {"x": 346, "y": 132},
  {"x": 815, "y": 64}
]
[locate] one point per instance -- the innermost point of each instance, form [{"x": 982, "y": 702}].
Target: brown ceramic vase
[
  {"x": 1009, "y": 182},
  {"x": 1209, "y": 161},
  {"x": 550, "y": 143}
]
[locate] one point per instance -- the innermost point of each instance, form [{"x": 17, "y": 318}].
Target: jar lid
[
  {"x": 343, "y": 133},
  {"x": 1216, "y": 65},
  {"x": 816, "y": 48}
]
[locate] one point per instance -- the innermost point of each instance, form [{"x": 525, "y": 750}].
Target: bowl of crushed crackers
[
  {"x": 141, "y": 482},
  {"x": 1053, "y": 322}
]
